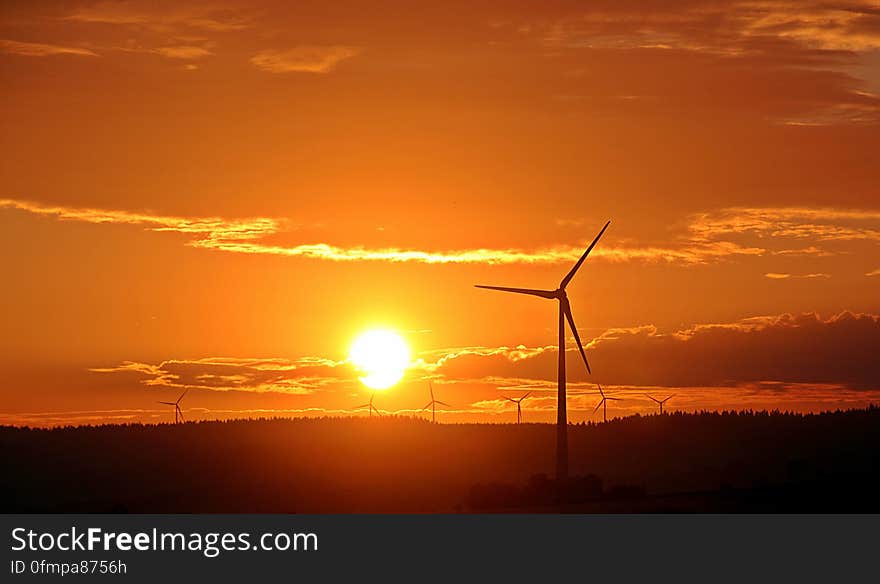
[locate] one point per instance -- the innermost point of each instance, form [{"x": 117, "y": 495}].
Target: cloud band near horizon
[{"x": 770, "y": 351}]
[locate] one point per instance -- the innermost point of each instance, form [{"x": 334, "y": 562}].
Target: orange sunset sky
[{"x": 222, "y": 196}]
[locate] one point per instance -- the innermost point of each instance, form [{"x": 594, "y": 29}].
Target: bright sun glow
[{"x": 381, "y": 356}]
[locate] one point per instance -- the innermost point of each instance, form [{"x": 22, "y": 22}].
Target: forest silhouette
[{"x": 679, "y": 462}]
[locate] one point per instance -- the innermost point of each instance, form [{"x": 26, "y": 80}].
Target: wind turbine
[
  {"x": 660, "y": 402},
  {"x": 433, "y": 404},
  {"x": 176, "y": 404},
  {"x": 370, "y": 405},
  {"x": 518, "y": 403},
  {"x": 604, "y": 404},
  {"x": 564, "y": 313}
]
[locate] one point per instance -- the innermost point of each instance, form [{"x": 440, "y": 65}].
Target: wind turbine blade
[
  {"x": 669, "y": 398},
  {"x": 577, "y": 337},
  {"x": 525, "y": 396},
  {"x": 179, "y": 411},
  {"x": 542, "y": 293},
  {"x": 181, "y": 396},
  {"x": 431, "y": 388},
  {"x": 510, "y": 399},
  {"x": 574, "y": 270},
  {"x": 599, "y": 405},
  {"x": 429, "y": 405},
  {"x": 444, "y": 404},
  {"x": 653, "y": 399},
  {"x": 167, "y": 403},
  {"x": 600, "y": 390},
  {"x": 615, "y": 398}
]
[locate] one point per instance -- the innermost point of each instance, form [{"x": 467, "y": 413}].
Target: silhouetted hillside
[{"x": 680, "y": 462}]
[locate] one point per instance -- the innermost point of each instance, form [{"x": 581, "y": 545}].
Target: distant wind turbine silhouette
[
  {"x": 660, "y": 402},
  {"x": 564, "y": 313},
  {"x": 518, "y": 403},
  {"x": 370, "y": 405},
  {"x": 433, "y": 403},
  {"x": 176, "y": 404},
  {"x": 604, "y": 404}
]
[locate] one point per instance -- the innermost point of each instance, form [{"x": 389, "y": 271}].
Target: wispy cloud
[
  {"x": 849, "y": 26},
  {"x": 193, "y": 50},
  {"x": 170, "y": 29},
  {"x": 247, "y": 236},
  {"x": 161, "y": 16},
  {"x": 867, "y": 112},
  {"x": 874, "y": 272},
  {"x": 209, "y": 228},
  {"x": 707, "y": 237},
  {"x": 183, "y": 52},
  {"x": 819, "y": 224},
  {"x": 42, "y": 49},
  {"x": 301, "y": 376},
  {"x": 790, "y": 39},
  {"x": 783, "y": 276},
  {"x": 731, "y": 28},
  {"x": 551, "y": 255},
  {"x": 304, "y": 59}
]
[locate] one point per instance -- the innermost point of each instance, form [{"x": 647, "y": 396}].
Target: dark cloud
[{"x": 787, "y": 348}]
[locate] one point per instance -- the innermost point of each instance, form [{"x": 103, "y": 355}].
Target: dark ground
[{"x": 711, "y": 462}]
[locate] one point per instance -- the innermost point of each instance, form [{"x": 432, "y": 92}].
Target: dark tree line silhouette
[{"x": 709, "y": 461}]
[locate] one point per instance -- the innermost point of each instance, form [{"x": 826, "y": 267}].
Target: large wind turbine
[
  {"x": 660, "y": 402},
  {"x": 370, "y": 405},
  {"x": 564, "y": 314},
  {"x": 604, "y": 403},
  {"x": 176, "y": 404},
  {"x": 518, "y": 403},
  {"x": 433, "y": 403}
]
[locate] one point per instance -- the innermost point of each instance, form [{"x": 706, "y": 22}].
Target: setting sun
[{"x": 381, "y": 356}]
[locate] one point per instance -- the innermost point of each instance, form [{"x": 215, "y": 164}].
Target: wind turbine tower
[
  {"x": 433, "y": 403},
  {"x": 564, "y": 314},
  {"x": 176, "y": 404},
  {"x": 604, "y": 403},
  {"x": 370, "y": 406},
  {"x": 660, "y": 402},
  {"x": 518, "y": 403}
]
